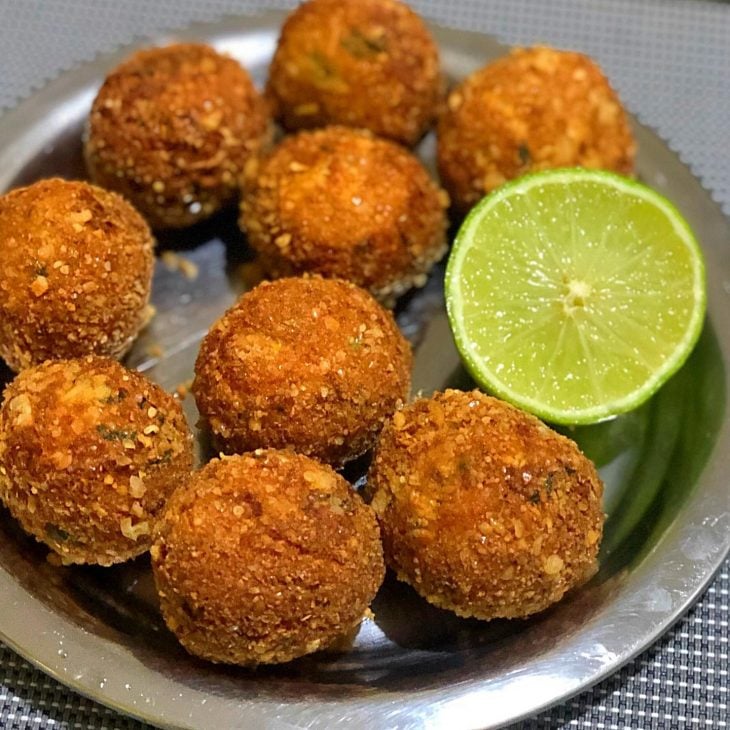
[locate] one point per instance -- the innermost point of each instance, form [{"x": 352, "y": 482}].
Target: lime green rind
[{"x": 572, "y": 416}]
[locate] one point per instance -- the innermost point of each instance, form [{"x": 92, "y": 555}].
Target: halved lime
[{"x": 574, "y": 293}]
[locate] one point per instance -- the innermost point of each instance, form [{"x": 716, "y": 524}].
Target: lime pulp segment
[{"x": 574, "y": 293}]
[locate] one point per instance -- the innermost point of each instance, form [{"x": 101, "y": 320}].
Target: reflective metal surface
[{"x": 665, "y": 466}]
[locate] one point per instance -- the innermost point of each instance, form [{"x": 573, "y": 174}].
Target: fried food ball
[
  {"x": 370, "y": 64},
  {"x": 76, "y": 273},
  {"x": 172, "y": 129},
  {"x": 341, "y": 203},
  {"x": 265, "y": 557},
  {"x": 534, "y": 109},
  {"x": 484, "y": 510},
  {"x": 315, "y": 365},
  {"x": 89, "y": 453}
]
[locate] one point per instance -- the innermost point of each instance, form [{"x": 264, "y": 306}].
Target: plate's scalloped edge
[
  {"x": 46, "y": 81},
  {"x": 621, "y": 663},
  {"x": 724, "y": 205},
  {"x": 131, "y": 43}
]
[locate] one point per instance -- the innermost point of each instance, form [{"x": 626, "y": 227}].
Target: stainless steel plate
[{"x": 665, "y": 466}]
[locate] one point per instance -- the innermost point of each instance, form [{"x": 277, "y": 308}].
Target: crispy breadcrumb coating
[
  {"x": 484, "y": 510},
  {"x": 76, "y": 273},
  {"x": 533, "y": 109},
  {"x": 172, "y": 130},
  {"x": 315, "y": 365},
  {"x": 370, "y": 64},
  {"x": 265, "y": 557},
  {"x": 341, "y": 203},
  {"x": 89, "y": 452}
]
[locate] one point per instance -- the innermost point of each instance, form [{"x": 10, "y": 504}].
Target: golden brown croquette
[
  {"x": 265, "y": 557},
  {"x": 484, "y": 510},
  {"x": 341, "y": 203},
  {"x": 533, "y": 109},
  {"x": 371, "y": 64},
  {"x": 315, "y": 365},
  {"x": 89, "y": 452},
  {"x": 76, "y": 272},
  {"x": 172, "y": 129}
]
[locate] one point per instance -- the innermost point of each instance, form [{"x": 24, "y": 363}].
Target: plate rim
[{"x": 79, "y": 76}]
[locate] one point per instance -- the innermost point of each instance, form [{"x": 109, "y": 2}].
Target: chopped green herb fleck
[
  {"x": 535, "y": 497},
  {"x": 164, "y": 459},
  {"x": 115, "y": 434},
  {"x": 362, "y": 46},
  {"x": 117, "y": 397},
  {"x": 323, "y": 69},
  {"x": 56, "y": 533}
]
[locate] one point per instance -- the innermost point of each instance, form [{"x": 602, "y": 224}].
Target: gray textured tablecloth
[{"x": 670, "y": 62}]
